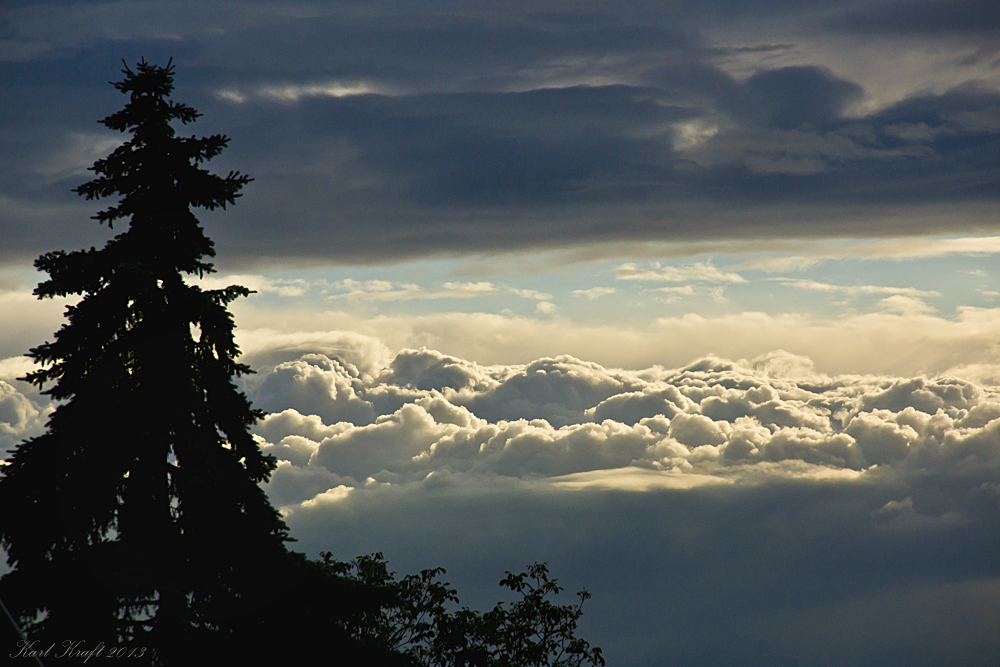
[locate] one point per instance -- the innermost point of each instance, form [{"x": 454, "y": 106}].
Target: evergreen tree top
[
  {"x": 148, "y": 116},
  {"x": 158, "y": 179}
]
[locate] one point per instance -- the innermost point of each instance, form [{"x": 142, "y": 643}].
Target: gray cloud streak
[{"x": 554, "y": 128}]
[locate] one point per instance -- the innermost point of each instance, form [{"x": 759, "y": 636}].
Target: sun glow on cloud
[
  {"x": 632, "y": 479},
  {"x": 690, "y": 134},
  {"x": 292, "y": 93},
  {"x": 295, "y": 92}
]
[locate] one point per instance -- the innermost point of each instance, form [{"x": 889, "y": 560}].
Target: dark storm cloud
[
  {"x": 791, "y": 97},
  {"x": 440, "y": 51},
  {"x": 976, "y": 17},
  {"x": 787, "y": 573},
  {"x": 382, "y": 135},
  {"x": 397, "y": 176}
]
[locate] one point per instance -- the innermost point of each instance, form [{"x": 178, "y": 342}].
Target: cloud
[
  {"x": 690, "y": 134},
  {"x": 293, "y": 93},
  {"x": 836, "y": 503},
  {"x": 903, "y": 304},
  {"x": 915, "y": 248},
  {"x": 318, "y": 385},
  {"x": 899, "y": 337},
  {"x": 530, "y": 294},
  {"x": 921, "y": 17},
  {"x": 78, "y": 152},
  {"x": 756, "y": 479},
  {"x": 594, "y": 292},
  {"x": 571, "y": 132},
  {"x": 381, "y": 290},
  {"x": 696, "y": 272},
  {"x": 430, "y": 412},
  {"x": 282, "y": 287},
  {"x": 23, "y": 414},
  {"x": 853, "y": 290},
  {"x": 15, "y": 367},
  {"x": 26, "y": 321},
  {"x": 790, "y": 97},
  {"x": 632, "y": 479},
  {"x": 675, "y": 292}
]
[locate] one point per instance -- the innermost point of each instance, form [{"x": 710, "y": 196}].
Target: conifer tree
[{"x": 137, "y": 518}]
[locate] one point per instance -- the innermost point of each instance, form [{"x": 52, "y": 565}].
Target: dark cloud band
[{"x": 386, "y": 137}]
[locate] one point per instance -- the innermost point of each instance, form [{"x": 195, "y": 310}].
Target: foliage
[
  {"x": 137, "y": 518},
  {"x": 529, "y": 632}
]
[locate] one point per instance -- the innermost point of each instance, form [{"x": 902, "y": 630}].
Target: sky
[{"x": 698, "y": 302}]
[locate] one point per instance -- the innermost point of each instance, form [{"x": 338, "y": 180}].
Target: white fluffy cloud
[
  {"x": 427, "y": 413},
  {"x": 738, "y": 494},
  {"x": 22, "y": 415}
]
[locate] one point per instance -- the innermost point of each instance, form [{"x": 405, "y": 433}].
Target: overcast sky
[{"x": 697, "y": 301}]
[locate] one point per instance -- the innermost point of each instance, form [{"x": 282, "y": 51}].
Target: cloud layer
[
  {"x": 556, "y": 417},
  {"x": 804, "y": 517},
  {"x": 751, "y": 512},
  {"x": 378, "y": 135}
]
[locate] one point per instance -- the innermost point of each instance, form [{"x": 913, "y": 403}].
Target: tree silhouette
[
  {"x": 532, "y": 631},
  {"x": 137, "y": 518}
]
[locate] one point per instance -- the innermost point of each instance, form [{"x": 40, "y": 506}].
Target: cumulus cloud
[
  {"x": 432, "y": 413},
  {"x": 317, "y": 385},
  {"x": 23, "y": 414},
  {"x": 781, "y": 472},
  {"x": 904, "y": 304}
]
